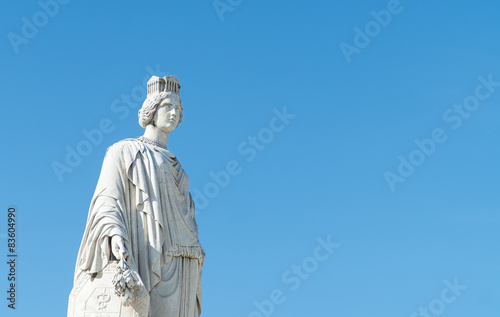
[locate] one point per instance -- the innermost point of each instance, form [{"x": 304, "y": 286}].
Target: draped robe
[{"x": 143, "y": 196}]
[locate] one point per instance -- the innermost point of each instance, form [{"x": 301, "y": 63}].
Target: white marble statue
[{"x": 140, "y": 254}]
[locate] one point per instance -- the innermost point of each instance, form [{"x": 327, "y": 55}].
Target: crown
[{"x": 166, "y": 84}]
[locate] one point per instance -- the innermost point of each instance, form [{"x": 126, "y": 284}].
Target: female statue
[{"x": 142, "y": 214}]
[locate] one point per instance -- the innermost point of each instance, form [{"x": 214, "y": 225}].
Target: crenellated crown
[{"x": 166, "y": 84}]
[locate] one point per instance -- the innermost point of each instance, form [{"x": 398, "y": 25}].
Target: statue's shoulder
[{"x": 126, "y": 147}]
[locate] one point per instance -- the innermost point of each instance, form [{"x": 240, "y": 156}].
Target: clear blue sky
[{"x": 375, "y": 130}]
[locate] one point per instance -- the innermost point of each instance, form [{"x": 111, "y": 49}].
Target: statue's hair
[{"x": 150, "y": 105}]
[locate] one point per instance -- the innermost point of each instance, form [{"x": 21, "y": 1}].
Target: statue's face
[{"x": 168, "y": 114}]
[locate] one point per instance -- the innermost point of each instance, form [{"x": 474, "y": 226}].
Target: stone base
[{"x": 95, "y": 297}]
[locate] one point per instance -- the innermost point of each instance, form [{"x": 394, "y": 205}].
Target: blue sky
[{"x": 361, "y": 137}]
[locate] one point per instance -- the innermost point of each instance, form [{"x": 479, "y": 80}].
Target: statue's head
[{"x": 163, "y": 106}]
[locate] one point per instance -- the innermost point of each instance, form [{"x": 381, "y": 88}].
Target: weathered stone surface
[{"x": 96, "y": 297}]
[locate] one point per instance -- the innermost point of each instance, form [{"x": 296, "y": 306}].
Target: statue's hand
[{"x": 118, "y": 248}]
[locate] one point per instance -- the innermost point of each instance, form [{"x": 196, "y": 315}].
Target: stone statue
[{"x": 140, "y": 254}]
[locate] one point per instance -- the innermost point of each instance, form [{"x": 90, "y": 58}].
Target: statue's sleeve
[{"x": 107, "y": 214}]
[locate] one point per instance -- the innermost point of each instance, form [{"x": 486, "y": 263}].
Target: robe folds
[{"x": 143, "y": 196}]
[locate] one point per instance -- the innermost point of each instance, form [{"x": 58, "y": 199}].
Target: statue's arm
[{"x": 106, "y": 233}]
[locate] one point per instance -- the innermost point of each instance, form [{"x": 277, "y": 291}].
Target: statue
[{"x": 140, "y": 254}]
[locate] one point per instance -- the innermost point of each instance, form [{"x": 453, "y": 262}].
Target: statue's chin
[{"x": 168, "y": 128}]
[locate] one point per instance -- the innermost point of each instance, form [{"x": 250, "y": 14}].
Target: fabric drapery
[{"x": 143, "y": 196}]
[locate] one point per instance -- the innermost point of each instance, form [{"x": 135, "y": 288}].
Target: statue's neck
[{"x": 156, "y": 134}]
